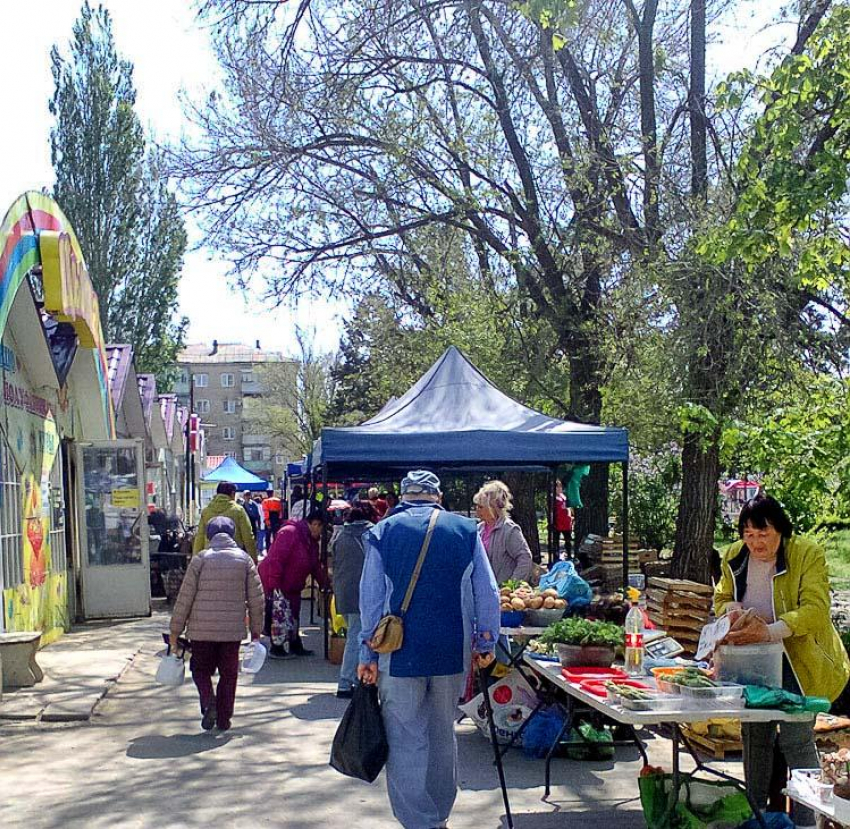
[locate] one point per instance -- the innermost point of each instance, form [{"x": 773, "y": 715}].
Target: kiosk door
[{"x": 115, "y": 567}]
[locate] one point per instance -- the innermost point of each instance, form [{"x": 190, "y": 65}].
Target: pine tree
[{"x": 115, "y": 196}]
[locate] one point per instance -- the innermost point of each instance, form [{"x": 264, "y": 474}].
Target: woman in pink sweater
[{"x": 220, "y": 582}]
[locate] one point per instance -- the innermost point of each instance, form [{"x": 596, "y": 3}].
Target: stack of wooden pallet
[
  {"x": 680, "y": 607},
  {"x": 608, "y": 561},
  {"x": 612, "y": 553}
]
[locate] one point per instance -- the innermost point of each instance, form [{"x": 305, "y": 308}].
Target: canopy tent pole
[
  {"x": 625, "y": 528},
  {"x": 324, "y": 594},
  {"x": 551, "y": 535},
  {"x": 311, "y": 488}
]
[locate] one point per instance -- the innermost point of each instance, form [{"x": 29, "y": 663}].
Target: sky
[{"x": 171, "y": 54}]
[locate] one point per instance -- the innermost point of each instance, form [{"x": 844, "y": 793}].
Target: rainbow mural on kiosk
[
  {"x": 35, "y": 232},
  {"x": 35, "y": 229}
]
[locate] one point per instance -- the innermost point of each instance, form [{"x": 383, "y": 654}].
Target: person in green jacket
[
  {"x": 782, "y": 580},
  {"x": 225, "y": 504}
]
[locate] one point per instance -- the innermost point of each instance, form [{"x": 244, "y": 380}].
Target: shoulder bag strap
[{"x": 420, "y": 561}]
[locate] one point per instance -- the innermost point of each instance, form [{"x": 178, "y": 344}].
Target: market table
[
  {"x": 825, "y": 809},
  {"x": 525, "y": 634},
  {"x": 674, "y": 718}
]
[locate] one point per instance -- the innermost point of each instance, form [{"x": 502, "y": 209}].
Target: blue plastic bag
[
  {"x": 540, "y": 732},
  {"x": 774, "y": 820},
  {"x": 569, "y": 584}
]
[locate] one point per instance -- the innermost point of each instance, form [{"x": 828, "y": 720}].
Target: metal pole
[
  {"x": 197, "y": 439},
  {"x": 551, "y": 536},
  {"x": 188, "y": 459},
  {"x": 325, "y": 602},
  {"x": 625, "y": 527},
  {"x": 488, "y": 707}
]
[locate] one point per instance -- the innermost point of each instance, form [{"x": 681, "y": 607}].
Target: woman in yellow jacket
[{"x": 782, "y": 579}]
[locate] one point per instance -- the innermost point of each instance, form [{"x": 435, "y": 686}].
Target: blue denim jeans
[{"x": 348, "y": 669}]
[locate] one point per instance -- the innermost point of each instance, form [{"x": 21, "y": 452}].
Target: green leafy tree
[
  {"x": 115, "y": 196},
  {"x": 796, "y": 442}
]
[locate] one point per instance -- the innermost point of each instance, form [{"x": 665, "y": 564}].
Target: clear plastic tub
[
  {"x": 659, "y": 703},
  {"x": 720, "y": 696},
  {"x": 808, "y": 782},
  {"x": 759, "y": 664},
  {"x": 823, "y": 792},
  {"x": 669, "y": 688}
]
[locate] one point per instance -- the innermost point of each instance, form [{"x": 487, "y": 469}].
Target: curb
[{"x": 55, "y": 711}]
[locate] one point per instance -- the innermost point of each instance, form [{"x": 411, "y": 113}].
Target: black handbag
[{"x": 360, "y": 744}]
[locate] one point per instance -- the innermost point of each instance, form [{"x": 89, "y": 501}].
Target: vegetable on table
[
  {"x": 520, "y": 595},
  {"x": 583, "y": 632}
]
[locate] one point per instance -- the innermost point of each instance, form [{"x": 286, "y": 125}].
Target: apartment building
[{"x": 227, "y": 381}]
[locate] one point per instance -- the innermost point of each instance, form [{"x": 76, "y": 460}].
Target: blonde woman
[{"x": 503, "y": 540}]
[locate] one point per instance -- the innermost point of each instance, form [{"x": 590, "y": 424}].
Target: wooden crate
[
  {"x": 683, "y": 585},
  {"x": 717, "y": 748}
]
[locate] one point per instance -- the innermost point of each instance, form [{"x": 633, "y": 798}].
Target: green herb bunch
[{"x": 583, "y": 632}]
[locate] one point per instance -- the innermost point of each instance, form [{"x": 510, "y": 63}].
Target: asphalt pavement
[{"x": 140, "y": 759}]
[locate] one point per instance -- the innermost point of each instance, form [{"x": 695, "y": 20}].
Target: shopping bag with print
[{"x": 283, "y": 624}]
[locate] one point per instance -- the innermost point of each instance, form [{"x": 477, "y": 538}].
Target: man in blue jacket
[{"x": 453, "y": 617}]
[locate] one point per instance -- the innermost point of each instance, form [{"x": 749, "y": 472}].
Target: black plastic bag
[{"x": 360, "y": 743}]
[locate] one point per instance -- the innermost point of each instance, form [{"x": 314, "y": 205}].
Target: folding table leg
[{"x": 568, "y": 719}]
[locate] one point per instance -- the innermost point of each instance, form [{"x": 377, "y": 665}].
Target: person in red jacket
[
  {"x": 563, "y": 523},
  {"x": 293, "y": 556}
]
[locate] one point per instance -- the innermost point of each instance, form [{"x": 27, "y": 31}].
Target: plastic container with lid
[
  {"x": 720, "y": 696},
  {"x": 759, "y": 664},
  {"x": 661, "y": 702}
]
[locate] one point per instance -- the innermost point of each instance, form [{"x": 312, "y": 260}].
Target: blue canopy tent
[
  {"x": 454, "y": 418},
  {"x": 231, "y": 472}
]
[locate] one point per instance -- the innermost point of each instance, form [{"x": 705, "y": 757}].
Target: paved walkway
[
  {"x": 142, "y": 760},
  {"x": 79, "y": 670}
]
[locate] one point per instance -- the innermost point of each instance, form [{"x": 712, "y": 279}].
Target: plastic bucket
[{"x": 759, "y": 664}]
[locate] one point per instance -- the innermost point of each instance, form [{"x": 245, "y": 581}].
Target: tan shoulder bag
[{"x": 389, "y": 634}]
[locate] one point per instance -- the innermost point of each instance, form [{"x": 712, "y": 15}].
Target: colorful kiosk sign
[{"x": 36, "y": 232}]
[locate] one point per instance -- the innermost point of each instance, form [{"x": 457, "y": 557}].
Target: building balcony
[
  {"x": 260, "y": 468},
  {"x": 256, "y": 440}
]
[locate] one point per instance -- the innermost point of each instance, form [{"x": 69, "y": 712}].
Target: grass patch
[{"x": 837, "y": 545}]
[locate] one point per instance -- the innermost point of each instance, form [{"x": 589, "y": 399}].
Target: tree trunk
[
  {"x": 696, "y": 102},
  {"x": 586, "y": 407},
  {"x": 697, "y": 507},
  {"x": 521, "y": 485}
]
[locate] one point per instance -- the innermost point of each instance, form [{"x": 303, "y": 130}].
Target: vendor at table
[
  {"x": 503, "y": 540},
  {"x": 783, "y": 580}
]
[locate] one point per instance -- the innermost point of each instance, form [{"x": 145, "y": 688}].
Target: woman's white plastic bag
[
  {"x": 253, "y": 658},
  {"x": 171, "y": 671}
]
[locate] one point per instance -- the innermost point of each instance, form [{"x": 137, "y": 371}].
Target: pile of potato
[{"x": 525, "y": 597}]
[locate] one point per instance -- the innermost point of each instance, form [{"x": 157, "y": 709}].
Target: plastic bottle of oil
[{"x": 634, "y": 641}]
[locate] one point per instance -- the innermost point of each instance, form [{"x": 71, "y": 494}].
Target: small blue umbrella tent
[{"x": 231, "y": 472}]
